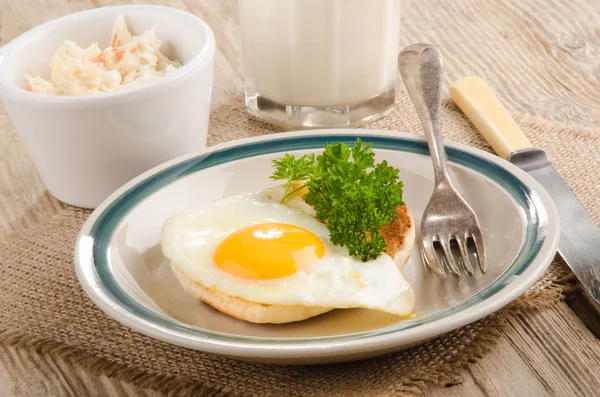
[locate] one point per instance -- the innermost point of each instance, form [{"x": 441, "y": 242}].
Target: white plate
[{"x": 120, "y": 266}]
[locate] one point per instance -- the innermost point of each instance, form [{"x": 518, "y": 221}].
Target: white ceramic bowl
[{"x": 85, "y": 147}]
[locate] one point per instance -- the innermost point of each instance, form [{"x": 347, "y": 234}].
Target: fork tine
[
  {"x": 431, "y": 259},
  {"x": 450, "y": 260},
  {"x": 428, "y": 267},
  {"x": 464, "y": 253},
  {"x": 478, "y": 239}
]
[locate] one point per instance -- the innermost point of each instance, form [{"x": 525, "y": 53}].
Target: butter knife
[{"x": 579, "y": 243}]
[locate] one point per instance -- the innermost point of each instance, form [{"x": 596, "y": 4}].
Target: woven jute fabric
[{"x": 44, "y": 309}]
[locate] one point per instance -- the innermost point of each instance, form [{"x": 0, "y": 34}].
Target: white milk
[{"x": 323, "y": 53}]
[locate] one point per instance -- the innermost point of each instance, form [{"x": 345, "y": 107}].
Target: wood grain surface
[{"x": 555, "y": 46}]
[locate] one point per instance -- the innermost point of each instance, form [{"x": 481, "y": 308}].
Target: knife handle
[{"x": 479, "y": 103}]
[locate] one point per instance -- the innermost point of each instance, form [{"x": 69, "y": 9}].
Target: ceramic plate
[{"x": 120, "y": 265}]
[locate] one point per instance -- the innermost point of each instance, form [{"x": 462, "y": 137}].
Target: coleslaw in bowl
[{"x": 128, "y": 61}]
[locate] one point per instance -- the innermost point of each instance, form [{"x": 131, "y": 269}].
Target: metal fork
[{"x": 450, "y": 231}]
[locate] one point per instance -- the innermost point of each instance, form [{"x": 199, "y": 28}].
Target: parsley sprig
[
  {"x": 293, "y": 170},
  {"x": 349, "y": 192}
]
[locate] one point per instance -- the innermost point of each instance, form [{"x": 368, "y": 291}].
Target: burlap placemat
[{"x": 44, "y": 309}]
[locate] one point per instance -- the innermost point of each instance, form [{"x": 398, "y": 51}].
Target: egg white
[{"x": 337, "y": 280}]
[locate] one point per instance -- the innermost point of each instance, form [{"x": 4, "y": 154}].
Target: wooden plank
[
  {"x": 25, "y": 374},
  {"x": 491, "y": 376},
  {"x": 544, "y": 353},
  {"x": 467, "y": 388},
  {"x": 557, "y": 346},
  {"x": 18, "y": 16},
  {"x": 586, "y": 309},
  {"x": 496, "y": 378},
  {"x": 222, "y": 16},
  {"x": 556, "y": 57}
]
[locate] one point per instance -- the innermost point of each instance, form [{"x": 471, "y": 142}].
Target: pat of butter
[{"x": 479, "y": 103}]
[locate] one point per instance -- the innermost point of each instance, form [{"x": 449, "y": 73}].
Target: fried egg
[{"x": 252, "y": 247}]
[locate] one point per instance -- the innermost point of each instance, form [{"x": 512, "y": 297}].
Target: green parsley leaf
[
  {"x": 293, "y": 170},
  {"x": 349, "y": 192}
]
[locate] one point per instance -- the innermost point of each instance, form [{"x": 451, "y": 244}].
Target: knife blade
[{"x": 579, "y": 243}]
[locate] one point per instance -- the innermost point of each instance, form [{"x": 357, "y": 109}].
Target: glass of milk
[{"x": 320, "y": 63}]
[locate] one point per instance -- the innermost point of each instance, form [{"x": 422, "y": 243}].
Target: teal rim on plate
[{"x": 102, "y": 230}]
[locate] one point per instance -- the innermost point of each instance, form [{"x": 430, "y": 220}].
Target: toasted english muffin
[
  {"x": 399, "y": 236},
  {"x": 242, "y": 309}
]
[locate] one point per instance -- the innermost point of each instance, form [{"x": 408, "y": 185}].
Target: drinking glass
[{"x": 320, "y": 63}]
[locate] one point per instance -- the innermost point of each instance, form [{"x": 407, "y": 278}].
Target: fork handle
[{"x": 421, "y": 68}]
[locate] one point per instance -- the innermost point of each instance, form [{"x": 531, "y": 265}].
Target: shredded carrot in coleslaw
[{"x": 128, "y": 61}]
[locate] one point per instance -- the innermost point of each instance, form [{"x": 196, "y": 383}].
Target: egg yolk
[{"x": 268, "y": 250}]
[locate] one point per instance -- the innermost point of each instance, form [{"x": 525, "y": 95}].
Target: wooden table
[{"x": 556, "y": 46}]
